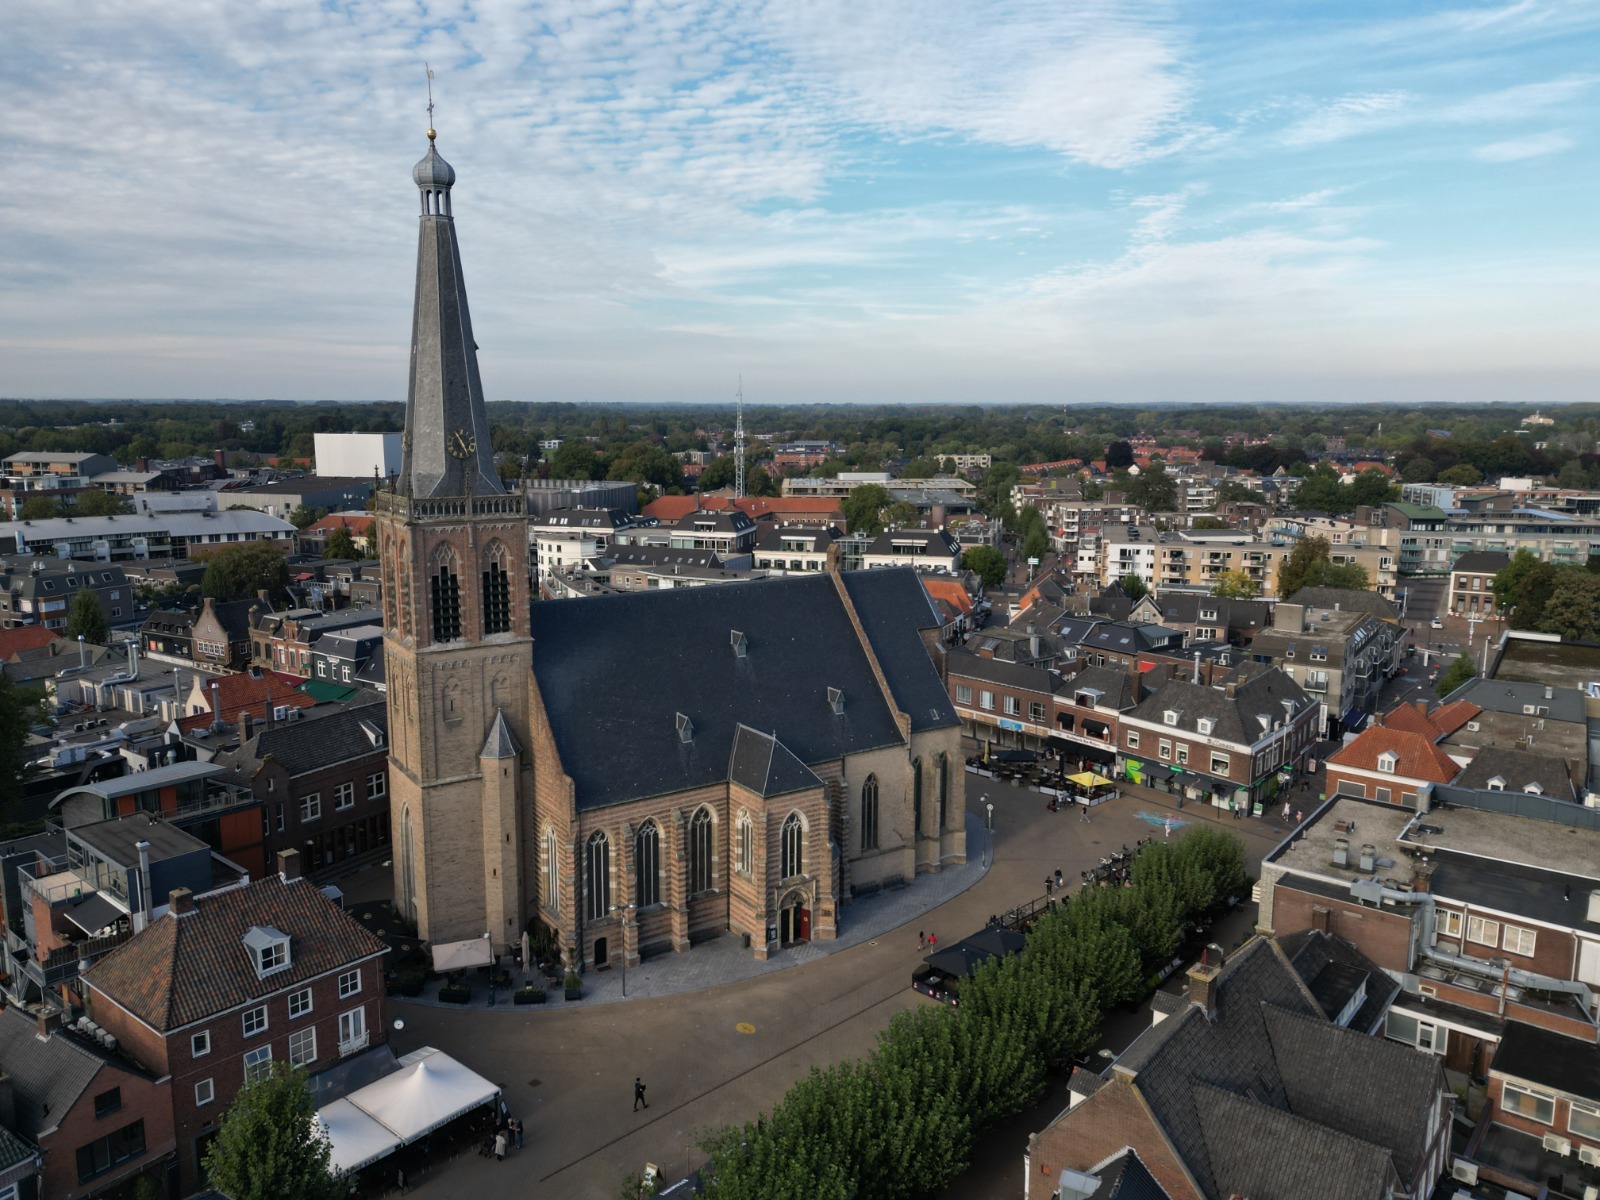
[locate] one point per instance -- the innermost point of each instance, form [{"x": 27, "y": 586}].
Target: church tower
[{"x": 457, "y": 650}]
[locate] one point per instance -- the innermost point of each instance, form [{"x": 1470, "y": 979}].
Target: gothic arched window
[
  {"x": 647, "y": 865},
  {"x": 597, "y": 870},
  {"x": 869, "y": 813},
  {"x": 747, "y": 847},
  {"x": 793, "y": 857},
  {"x": 496, "y": 592},
  {"x": 700, "y": 860},
  {"x": 408, "y": 886},
  {"x": 552, "y": 871},
  {"x": 944, "y": 789},
  {"x": 916, "y": 797},
  {"x": 444, "y": 585}
]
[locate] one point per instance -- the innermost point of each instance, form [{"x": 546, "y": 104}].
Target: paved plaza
[{"x": 718, "y": 1037}]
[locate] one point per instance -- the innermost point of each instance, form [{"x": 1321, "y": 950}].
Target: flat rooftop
[
  {"x": 118, "y": 839},
  {"x": 1560, "y": 664},
  {"x": 1494, "y": 836}
]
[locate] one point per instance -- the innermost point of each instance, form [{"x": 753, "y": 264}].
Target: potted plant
[
  {"x": 456, "y": 992},
  {"x": 574, "y": 986},
  {"x": 528, "y": 995}
]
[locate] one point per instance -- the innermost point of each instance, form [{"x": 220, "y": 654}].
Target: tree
[
  {"x": 1372, "y": 486},
  {"x": 87, "y": 619},
  {"x": 236, "y": 572},
  {"x": 1134, "y": 586},
  {"x": 1418, "y": 470},
  {"x": 1234, "y": 585},
  {"x": 39, "y": 507},
  {"x": 269, "y": 1146},
  {"x": 921, "y": 468},
  {"x": 303, "y": 515},
  {"x": 902, "y": 514},
  {"x": 574, "y": 459},
  {"x": 1297, "y": 565},
  {"x": 1119, "y": 455},
  {"x": 720, "y": 472},
  {"x": 863, "y": 508},
  {"x": 20, "y": 710},
  {"x": 1573, "y": 608},
  {"x": 340, "y": 545},
  {"x": 1461, "y": 475},
  {"x": 1522, "y": 588},
  {"x": 101, "y": 503},
  {"x": 1455, "y": 675},
  {"x": 648, "y": 464},
  {"x": 988, "y": 562}
]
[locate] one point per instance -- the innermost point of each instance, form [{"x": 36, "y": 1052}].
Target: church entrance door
[
  {"x": 602, "y": 952},
  {"x": 794, "y": 921}
]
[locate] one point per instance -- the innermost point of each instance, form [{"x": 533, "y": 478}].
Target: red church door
[{"x": 805, "y": 925}]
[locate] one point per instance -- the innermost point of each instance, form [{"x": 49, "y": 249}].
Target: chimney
[
  {"x": 1231, "y": 688},
  {"x": 220, "y": 457},
  {"x": 216, "y": 705},
  {"x": 143, "y": 847},
  {"x": 289, "y": 865},
  {"x": 180, "y": 901},
  {"x": 49, "y": 1022},
  {"x": 1322, "y": 918},
  {"x": 247, "y": 725},
  {"x": 1197, "y": 666},
  {"x": 141, "y": 464},
  {"x": 1203, "y": 985},
  {"x": 1422, "y": 875}
]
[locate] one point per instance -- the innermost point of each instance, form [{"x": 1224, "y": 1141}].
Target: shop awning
[
  {"x": 1090, "y": 779},
  {"x": 1157, "y": 771},
  {"x": 355, "y": 1140},
  {"x": 1013, "y": 756},
  {"x": 429, "y": 1090},
  {"x": 458, "y": 956}
]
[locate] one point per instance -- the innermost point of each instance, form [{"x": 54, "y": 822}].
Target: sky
[{"x": 880, "y": 201}]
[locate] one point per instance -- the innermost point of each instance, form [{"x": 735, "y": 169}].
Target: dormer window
[
  {"x": 836, "y": 701},
  {"x": 1533, "y": 789},
  {"x": 1497, "y": 784},
  {"x": 269, "y": 949},
  {"x": 1205, "y": 724},
  {"x": 1386, "y": 762},
  {"x": 1170, "y": 717}
]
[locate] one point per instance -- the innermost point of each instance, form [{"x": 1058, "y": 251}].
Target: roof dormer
[
  {"x": 1387, "y": 761},
  {"x": 269, "y": 949}
]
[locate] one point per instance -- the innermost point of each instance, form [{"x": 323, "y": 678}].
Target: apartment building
[
  {"x": 1472, "y": 581},
  {"x": 1331, "y": 642}
]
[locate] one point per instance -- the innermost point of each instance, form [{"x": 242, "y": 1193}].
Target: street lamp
[{"x": 990, "y": 807}]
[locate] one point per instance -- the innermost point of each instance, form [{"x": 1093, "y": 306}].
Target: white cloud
[
  {"x": 1516, "y": 149},
  {"x": 1349, "y": 116}
]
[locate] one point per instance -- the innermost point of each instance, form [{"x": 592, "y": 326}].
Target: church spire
[{"x": 446, "y": 450}]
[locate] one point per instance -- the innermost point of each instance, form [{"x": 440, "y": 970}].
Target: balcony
[{"x": 352, "y": 1045}]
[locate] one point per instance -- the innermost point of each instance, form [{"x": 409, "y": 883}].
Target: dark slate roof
[
  {"x": 1325, "y": 962},
  {"x": 934, "y": 541},
  {"x": 1348, "y": 600},
  {"x": 1259, "y": 1150},
  {"x": 1120, "y": 689},
  {"x": 966, "y": 665},
  {"x": 234, "y": 617},
  {"x": 182, "y": 969},
  {"x": 1263, "y": 693},
  {"x": 1543, "y": 895},
  {"x": 1186, "y": 607},
  {"x": 615, "y": 671},
  {"x": 893, "y": 607},
  {"x": 14, "y": 1150},
  {"x": 501, "y": 742},
  {"x": 763, "y": 765},
  {"x": 1517, "y": 769},
  {"x": 661, "y": 556},
  {"x": 308, "y": 745},
  {"x": 1125, "y": 1178},
  {"x": 1543, "y": 1057},
  {"x": 1482, "y": 562},
  {"x": 1126, "y": 637},
  {"x": 47, "y": 1075},
  {"x": 1509, "y": 696},
  {"x": 1365, "y": 1087}
]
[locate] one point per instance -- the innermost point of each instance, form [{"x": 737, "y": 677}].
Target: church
[{"x": 636, "y": 773}]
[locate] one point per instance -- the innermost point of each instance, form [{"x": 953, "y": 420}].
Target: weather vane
[{"x": 429, "y": 70}]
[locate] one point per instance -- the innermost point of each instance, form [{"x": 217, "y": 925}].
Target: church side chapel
[{"x": 637, "y": 773}]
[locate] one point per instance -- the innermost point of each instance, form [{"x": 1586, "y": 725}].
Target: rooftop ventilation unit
[
  {"x": 1341, "y": 852},
  {"x": 1369, "y": 857}
]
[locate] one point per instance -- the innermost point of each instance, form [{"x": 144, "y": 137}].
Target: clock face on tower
[{"x": 462, "y": 444}]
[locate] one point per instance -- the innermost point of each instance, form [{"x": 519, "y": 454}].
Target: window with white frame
[
  {"x": 299, "y": 1003},
  {"x": 1220, "y": 764},
  {"x": 1013, "y": 706},
  {"x": 349, "y": 984},
  {"x": 1133, "y": 740},
  {"x": 200, "y": 1044},
  {"x": 255, "y": 1020},
  {"x": 377, "y": 785},
  {"x": 963, "y": 694},
  {"x": 344, "y": 796},
  {"x": 1205, "y": 725},
  {"x": 204, "y": 1093},
  {"x": 1483, "y": 931},
  {"x": 303, "y": 1046},
  {"x": 1169, "y": 717},
  {"x": 1449, "y": 923},
  {"x": 1518, "y": 940},
  {"x": 1386, "y": 762},
  {"x": 986, "y": 701},
  {"x": 269, "y": 949},
  {"x": 1035, "y": 712},
  {"x": 257, "y": 1063},
  {"x": 353, "y": 1027},
  {"x": 1583, "y": 1119},
  {"x": 1165, "y": 749},
  {"x": 311, "y": 806},
  {"x": 1183, "y": 754},
  {"x": 1526, "y": 1102}
]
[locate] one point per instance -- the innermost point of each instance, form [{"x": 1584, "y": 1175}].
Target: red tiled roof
[
  {"x": 25, "y": 637},
  {"x": 249, "y": 693},
  {"x": 674, "y": 508},
  {"x": 949, "y": 591},
  {"x": 671, "y": 508},
  {"x": 182, "y": 969},
  {"x": 1416, "y": 757},
  {"x": 1439, "y": 723},
  {"x": 356, "y": 522}
]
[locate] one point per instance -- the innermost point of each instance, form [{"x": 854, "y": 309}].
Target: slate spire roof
[
  {"x": 446, "y": 449},
  {"x": 501, "y": 742}
]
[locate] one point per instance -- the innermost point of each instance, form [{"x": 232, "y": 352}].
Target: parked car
[{"x": 1436, "y": 623}]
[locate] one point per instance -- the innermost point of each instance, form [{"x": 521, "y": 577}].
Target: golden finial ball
[{"x": 432, "y": 135}]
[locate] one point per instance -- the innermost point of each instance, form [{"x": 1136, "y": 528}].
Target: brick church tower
[{"x": 457, "y": 650}]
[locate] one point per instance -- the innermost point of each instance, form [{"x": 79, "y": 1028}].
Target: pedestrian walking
[
  {"x": 515, "y": 1125},
  {"x": 1049, "y": 884},
  {"x": 922, "y": 940},
  {"x": 638, "y": 1094},
  {"x": 500, "y": 1146},
  {"x": 1167, "y": 828},
  {"x": 1083, "y": 810},
  {"x": 932, "y": 941},
  {"x": 1058, "y": 876},
  {"x": 1299, "y": 816},
  {"x": 1285, "y": 810},
  {"x": 400, "y": 1180}
]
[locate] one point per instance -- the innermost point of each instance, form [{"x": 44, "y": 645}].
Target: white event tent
[{"x": 429, "y": 1090}]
